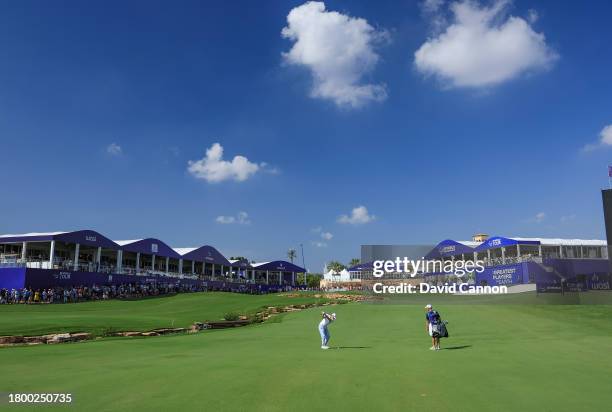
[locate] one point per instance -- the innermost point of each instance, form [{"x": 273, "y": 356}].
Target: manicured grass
[
  {"x": 525, "y": 298},
  {"x": 97, "y": 317},
  {"x": 499, "y": 358}
]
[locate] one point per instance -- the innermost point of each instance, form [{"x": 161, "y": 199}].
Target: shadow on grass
[
  {"x": 458, "y": 347},
  {"x": 351, "y": 347}
]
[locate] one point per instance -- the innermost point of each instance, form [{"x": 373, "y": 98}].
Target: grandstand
[
  {"x": 551, "y": 264},
  {"x": 499, "y": 250},
  {"x": 88, "y": 257}
]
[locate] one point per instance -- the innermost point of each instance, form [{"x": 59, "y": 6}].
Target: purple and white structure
[
  {"x": 87, "y": 257},
  {"x": 552, "y": 264}
]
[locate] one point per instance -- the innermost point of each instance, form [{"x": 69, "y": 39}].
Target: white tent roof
[
  {"x": 469, "y": 243},
  {"x": 564, "y": 242},
  {"x": 259, "y": 264},
  {"x": 183, "y": 250},
  {"x": 126, "y": 242},
  {"x": 34, "y": 234}
]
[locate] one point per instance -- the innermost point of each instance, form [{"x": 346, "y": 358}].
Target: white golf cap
[{"x": 428, "y": 306}]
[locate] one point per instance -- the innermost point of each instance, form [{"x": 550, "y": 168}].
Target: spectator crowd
[{"x": 74, "y": 294}]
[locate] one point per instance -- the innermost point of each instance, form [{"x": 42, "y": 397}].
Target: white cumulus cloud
[
  {"x": 242, "y": 218},
  {"x": 605, "y": 139},
  {"x": 214, "y": 169},
  {"x": 326, "y": 236},
  {"x": 359, "y": 215},
  {"x": 114, "y": 149},
  {"x": 482, "y": 46},
  {"x": 605, "y": 135},
  {"x": 338, "y": 49}
]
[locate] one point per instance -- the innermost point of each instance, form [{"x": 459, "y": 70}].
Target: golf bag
[
  {"x": 443, "y": 331},
  {"x": 438, "y": 329}
]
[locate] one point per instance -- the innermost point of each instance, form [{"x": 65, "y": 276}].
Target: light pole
[{"x": 303, "y": 264}]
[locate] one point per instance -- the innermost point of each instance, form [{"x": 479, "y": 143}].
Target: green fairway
[
  {"x": 499, "y": 358},
  {"x": 97, "y": 317}
]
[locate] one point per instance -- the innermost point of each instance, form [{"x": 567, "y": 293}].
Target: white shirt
[{"x": 325, "y": 321}]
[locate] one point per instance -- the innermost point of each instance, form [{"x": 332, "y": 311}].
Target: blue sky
[{"x": 103, "y": 105}]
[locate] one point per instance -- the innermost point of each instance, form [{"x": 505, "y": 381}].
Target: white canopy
[{"x": 343, "y": 276}]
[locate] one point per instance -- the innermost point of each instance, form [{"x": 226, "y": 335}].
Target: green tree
[
  {"x": 354, "y": 262},
  {"x": 335, "y": 266},
  {"x": 312, "y": 279},
  {"x": 291, "y": 254}
]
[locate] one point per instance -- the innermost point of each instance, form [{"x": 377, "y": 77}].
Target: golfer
[
  {"x": 323, "y": 330},
  {"x": 432, "y": 326}
]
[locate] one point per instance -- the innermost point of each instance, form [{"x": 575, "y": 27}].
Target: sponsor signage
[
  {"x": 599, "y": 282},
  {"x": 501, "y": 275},
  {"x": 504, "y": 276},
  {"x": 495, "y": 242},
  {"x": 62, "y": 275}
]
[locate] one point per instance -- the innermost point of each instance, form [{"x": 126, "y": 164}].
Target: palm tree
[
  {"x": 336, "y": 267},
  {"x": 354, "y": 262},
  {"x": 291, "y": 254}
]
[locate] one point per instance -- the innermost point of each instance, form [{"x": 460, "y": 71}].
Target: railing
[{"x": 510, "y": 260}]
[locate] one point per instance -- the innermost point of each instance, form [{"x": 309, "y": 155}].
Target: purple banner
[
  {"x": 18, "y": 278},
  {"x": 12, "y": 278}
]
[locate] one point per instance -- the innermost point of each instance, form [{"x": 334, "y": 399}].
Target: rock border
[
  {"x": 49, "y": 339},
  {"x": 259, "y": 317}
]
